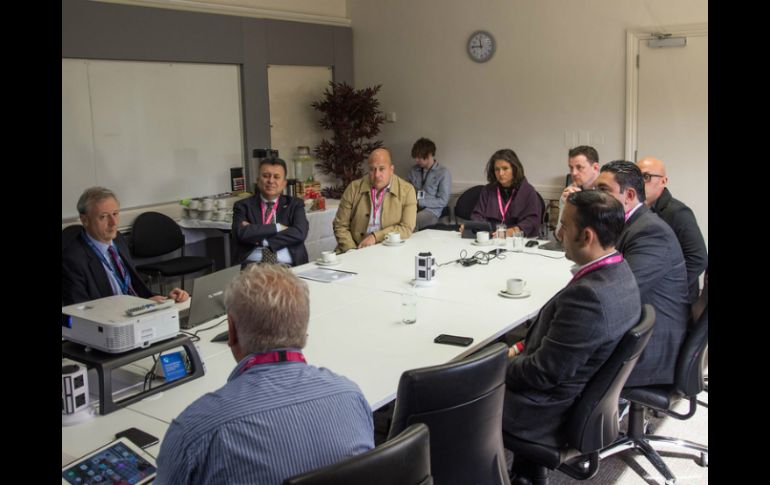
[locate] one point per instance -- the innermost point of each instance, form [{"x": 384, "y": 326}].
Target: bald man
[
  {"x": 375, "y": 205},
  {"x": 679, "y": 217}
]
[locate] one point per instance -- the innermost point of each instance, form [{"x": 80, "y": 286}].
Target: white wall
[{"x": 559, "y": 66}]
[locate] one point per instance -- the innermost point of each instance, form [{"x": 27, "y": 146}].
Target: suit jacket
[
  {"x": 572, "y": 337},
  {"x": 654, "y": 255},
  {"x": 290, "y": 213},
  {"x": 525, "y": 210},
  {"x": 399, "y": 212},
  {"x": 83, "y": 277},
  {"x": 682, "y": 221}
]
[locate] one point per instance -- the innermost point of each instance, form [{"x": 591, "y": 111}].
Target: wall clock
[{"x": 481, "y": 46}]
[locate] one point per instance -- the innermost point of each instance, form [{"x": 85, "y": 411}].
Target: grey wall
[{"x": 95, "y": 30}]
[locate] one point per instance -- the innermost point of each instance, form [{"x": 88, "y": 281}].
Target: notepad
[{"x": 325, "y": 275}]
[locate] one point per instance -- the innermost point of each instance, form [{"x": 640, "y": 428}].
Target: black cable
[{"x": 195, "y": 335}]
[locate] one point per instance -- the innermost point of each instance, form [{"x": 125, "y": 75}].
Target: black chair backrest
[
  {"x": 155, "y": 234},
  {"x": 593, "y": 421},
  {"x": 403, "y": 460},
  {"x": 462, "y": 404},
  {"x": 688, "y": 378},
  {"x": 467, "y": 201},
  {"x": 543, "y": 212},
  {"x": 69, "y": 234}
]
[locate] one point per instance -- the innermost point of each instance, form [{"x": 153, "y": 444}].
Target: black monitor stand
[{"x": 105, "y": 363}]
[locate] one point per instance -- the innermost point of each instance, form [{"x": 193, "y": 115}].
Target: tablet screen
[{"x": 117, "y": 463}]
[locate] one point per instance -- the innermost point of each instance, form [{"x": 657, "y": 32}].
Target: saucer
[
  {"x": 488, "y": 243},
  {"x": 523, "y": 294},
  {"x": 388, "y": 243},
  {"x": 321, "y": 262}
]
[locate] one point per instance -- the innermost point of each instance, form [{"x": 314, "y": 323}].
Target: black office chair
[
  {"x": 544, "y": 218},
  {"x": 466, "y": 202},
  {"x": 440, "y": 226},
  {"x": 154, "y": 234},
  {"x": 688, "y": 383},
  {"x": 69, "y": 234},
  {"x": 593, "y": 420},
  {"x": 462, "y": 404},
  {"x": 403, "y": 460}
]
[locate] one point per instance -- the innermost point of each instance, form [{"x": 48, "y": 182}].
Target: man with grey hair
[
  {"x": 97, "y": 262},
  {"x": 276, "y": 416}
]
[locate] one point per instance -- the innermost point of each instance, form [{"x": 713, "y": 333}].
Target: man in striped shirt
[{"x": 277, "y": 416}]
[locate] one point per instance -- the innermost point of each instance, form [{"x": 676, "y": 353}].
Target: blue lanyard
[{"x": 124, "y": 283}]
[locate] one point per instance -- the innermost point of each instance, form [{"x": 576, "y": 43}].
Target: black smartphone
[
  {"x": 138, "y": 437},
  {"x": 453, "y": 340}
]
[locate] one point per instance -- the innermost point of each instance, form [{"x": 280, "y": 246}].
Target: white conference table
[{"x": 355, "y": 327}]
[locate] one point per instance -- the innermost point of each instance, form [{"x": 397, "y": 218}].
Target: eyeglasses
[{"x": 648, "y": 176}]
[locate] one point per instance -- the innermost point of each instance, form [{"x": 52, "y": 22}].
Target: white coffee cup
[
  {"x": 221, "y": 204},
  {"x": 394, "y": 237},
  {"x": 205, "y": 215},
  {"x": 218, "y": 216},
  {"x": 207, "y": 204},
  {"x": 329, "y": 256},
  {"x": 192, "y": 213},
  {"x": 194, "y": 204},
  {"x": 515, "y": 286},
  {"x": 482, "y": 236}
]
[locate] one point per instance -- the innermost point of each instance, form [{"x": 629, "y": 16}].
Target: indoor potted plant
[{"x": 354, "y": 117}]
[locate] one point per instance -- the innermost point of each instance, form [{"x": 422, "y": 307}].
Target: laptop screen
[{"x": 207, "y": 297}]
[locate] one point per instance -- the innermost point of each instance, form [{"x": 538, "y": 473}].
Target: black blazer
[
  {"x": 654, "y": 255},
  {"x": 83, "y": 276},
  {"x": 290, "y": 212},
  {"x": 682, "y": 221},
  {"x": 572, "y": 337}
]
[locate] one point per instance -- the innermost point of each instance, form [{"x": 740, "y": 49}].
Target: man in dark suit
[
  {"x": 97, "y": 263},
  {"x": 577, "y": 330},
  {"x": 654, "y": 255},
  {"x": 270, "y": 227},
  {"x": 679, "y": 217}
]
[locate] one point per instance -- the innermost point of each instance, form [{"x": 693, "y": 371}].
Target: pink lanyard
[
  {"x": 500, "y": 203},
  {"x": 271, "y": 357},
  {"x": 272, "y": 212},
  {"x": 377, "y": 206},
  {"x": 614, "y": 259}
]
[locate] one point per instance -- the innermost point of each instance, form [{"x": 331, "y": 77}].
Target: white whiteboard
[{"x": 153, "y": 132}]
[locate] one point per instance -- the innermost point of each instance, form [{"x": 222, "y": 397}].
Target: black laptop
[{"x": 207, "y": 297}]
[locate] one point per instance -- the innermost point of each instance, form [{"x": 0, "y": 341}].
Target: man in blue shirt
[
  {"x": 276, "y": 416},
  {"x": 432, "y": 181}
]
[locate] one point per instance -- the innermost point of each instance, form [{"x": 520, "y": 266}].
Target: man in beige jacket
[{"x": 375, "y": 205}]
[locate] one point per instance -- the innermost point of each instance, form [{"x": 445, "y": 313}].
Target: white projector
[{"x": 119, "y": 323}]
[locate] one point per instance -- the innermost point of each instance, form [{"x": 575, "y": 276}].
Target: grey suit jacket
[
  {"x": 572, "y": 337},
  {"x": 654, "y": 255}
]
